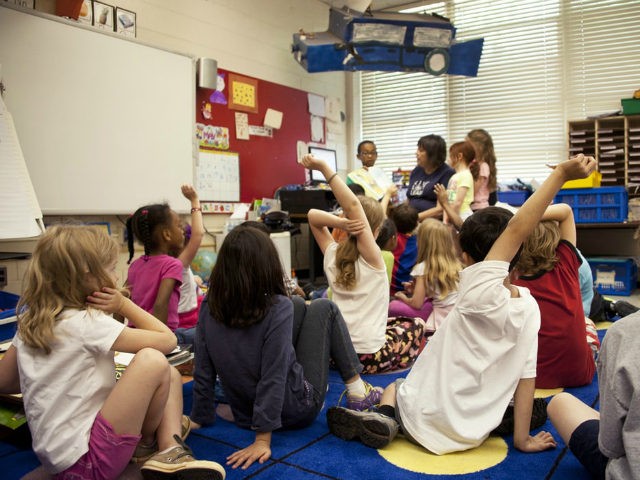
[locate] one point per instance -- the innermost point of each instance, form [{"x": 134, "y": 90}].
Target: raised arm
[
  {"x": 528, "y": 216},
  {"x": 352, "y": 210},
  {"x": 391, "y": 192},
  {"x": 563, "y": 214},
  {"x": 197, "y": 227}
]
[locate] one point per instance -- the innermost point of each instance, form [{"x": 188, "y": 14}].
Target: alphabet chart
[{"x": 218, "y": 176}]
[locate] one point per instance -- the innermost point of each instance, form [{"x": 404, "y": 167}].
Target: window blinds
[{"x": 543, "y": 63}]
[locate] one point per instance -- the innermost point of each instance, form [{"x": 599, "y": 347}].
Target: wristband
[
  {"x": 196, "y": 209},
  {"x": 331, "y": 177}
]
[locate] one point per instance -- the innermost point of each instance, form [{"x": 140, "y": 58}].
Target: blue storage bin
[
  {"x": 614, "y": 275},
  {"x": 8, "y": 302},
  {"x": 514, "y": 198},
  {"x": 596, "y": 205}
]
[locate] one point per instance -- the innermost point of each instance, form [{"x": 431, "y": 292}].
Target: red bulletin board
[{"x": 266, "y": 163}]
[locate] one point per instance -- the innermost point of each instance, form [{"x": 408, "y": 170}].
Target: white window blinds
[{"x": 543, "y": 63}]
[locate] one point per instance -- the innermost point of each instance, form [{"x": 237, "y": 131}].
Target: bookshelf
[{"x": 615, "y": 144}]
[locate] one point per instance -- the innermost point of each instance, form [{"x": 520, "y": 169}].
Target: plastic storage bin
[
  {"x": 614, "y": 275},
  {"x": 514, "y": 197},
  {"x": 630, "y": 106},
  {"x": 593, "y": 180},
  {"x": 8, "y": 302},
  {"x": 596, "y": 205}
]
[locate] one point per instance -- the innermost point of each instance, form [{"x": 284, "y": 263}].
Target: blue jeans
[{"x": 320, "y": 334}]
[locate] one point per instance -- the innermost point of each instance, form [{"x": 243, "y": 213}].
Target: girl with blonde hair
[
  {"x": 83, "y": 423},
  {"x": 356, "y": 273},
  {"x": 436, "y": 272}
]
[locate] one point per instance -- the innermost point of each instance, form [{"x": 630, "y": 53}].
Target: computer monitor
[{"x": 328, "y": 156}]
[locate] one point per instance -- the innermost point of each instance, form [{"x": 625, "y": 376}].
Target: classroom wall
[{"x": 250, "y": 37}]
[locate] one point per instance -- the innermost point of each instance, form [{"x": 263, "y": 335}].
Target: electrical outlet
[{"x": 3, "y": 277}]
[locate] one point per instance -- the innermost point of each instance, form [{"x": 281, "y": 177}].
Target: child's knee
[
  {"x": 153, "y": 361},
  {"x": 558, "y": 404}
]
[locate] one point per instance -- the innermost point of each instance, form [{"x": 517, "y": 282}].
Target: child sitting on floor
[
  {"x": 154, "y": 279},
  {"x": 548, "y": 267},
  {"x": 84, "y": 424},
  {"x": 606, "y": 442},
  {"x": 405, "y": 254},
  {"x": 436, "y": 276},
  {"x": 485, "y": 352},
  {"x": 270, "y": 351},
  {"x": 358, "y": 279}
]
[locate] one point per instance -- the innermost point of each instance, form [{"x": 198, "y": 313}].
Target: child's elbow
[{"x": 170, "y": 343}]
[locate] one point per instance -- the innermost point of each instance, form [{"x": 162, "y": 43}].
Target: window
[{"x": 543, "y": 63}]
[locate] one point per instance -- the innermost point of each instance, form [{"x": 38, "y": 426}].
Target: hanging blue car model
[{"x": 387, "y": 42}]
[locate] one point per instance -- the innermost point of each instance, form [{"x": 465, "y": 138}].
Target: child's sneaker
[
  {"x": 374, "y": 429},
  {"x": 178, "y": 462},
  {"x": 371, "y": 398},
  {"x": 623, "y": 308},
  {"x": 143, "y": 453}
]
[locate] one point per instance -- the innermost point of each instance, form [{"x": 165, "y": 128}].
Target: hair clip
[{"x": 144, "y": 212}]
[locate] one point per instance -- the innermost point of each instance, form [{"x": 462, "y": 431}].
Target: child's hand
[
  {"x": 409, "y": 286},
  {"x": 108, "y": 300},
  {"x": 309, "y": 161},
  {"x": 392, "y": 191},
  {"x": 258, "y": 450},
  {"x": 441, "y": 192},
  {"x": 401, "y": 296},
  {"x": 542, "y": 441},
  {"x": 189, "y": 192},
  {"x": 353, "y": 227},
  {"x": 579, "y": 166}
]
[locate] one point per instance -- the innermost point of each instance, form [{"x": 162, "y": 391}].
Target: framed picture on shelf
[
  {"x": 103, "y": 15},
  {"x": 86, "y": 13},
  {"x": 125, "y": 22}
]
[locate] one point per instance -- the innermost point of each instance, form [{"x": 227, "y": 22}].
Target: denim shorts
[
  {"x": 107, "y": 457},
  {"x": 584, "y": 445}
]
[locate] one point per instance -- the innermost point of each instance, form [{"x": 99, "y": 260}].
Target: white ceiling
[{"x": 376, "y": 5}]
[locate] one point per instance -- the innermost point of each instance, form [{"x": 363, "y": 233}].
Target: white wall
[{"x": 251, "y": 37}]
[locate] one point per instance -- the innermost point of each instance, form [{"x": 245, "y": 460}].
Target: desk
[{"x": 613, "y": 239}]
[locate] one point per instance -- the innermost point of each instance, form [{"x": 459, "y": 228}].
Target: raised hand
[{"x": 189, "y": 192}]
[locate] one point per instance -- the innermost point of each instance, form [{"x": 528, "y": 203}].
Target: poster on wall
[
  {"x": 86, "y": 13},
  {"x": 218, "y": 176},
  {"x": 243, "y": 93}
]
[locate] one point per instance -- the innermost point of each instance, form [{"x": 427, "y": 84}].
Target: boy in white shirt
[{"x": 485, "y": 353}]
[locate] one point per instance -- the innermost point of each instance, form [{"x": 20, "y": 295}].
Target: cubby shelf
[{"x": 615, "y": 144}]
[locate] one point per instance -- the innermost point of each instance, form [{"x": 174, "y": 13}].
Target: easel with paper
[{"x": 20, "y": 214}]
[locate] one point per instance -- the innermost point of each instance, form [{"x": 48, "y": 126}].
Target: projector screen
[{"x": 106, "y": 124}]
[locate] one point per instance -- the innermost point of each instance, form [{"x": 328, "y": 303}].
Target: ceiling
[{"x": 377, "y": 5}]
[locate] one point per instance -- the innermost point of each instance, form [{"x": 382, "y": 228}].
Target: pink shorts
[{"x": 108, "y": 455}]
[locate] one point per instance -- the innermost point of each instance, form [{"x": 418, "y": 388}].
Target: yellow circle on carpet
[
  {"x": 547, "y": 392},
  {"x": 406, "y": 455},
  {"x": 603, "y": 325}
]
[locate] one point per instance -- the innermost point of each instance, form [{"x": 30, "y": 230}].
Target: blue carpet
[{"x": 313, "y": 453}]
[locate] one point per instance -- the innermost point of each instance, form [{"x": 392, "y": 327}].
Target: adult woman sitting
[{"x": 431, "y": 170}]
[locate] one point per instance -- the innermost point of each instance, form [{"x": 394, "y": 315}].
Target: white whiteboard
[
  {"x": 106, "y": 124},
  {"x": 218, "y": 176}
]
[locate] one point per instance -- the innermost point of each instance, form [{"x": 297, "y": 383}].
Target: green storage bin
[{"x": 630, "y": 106}]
